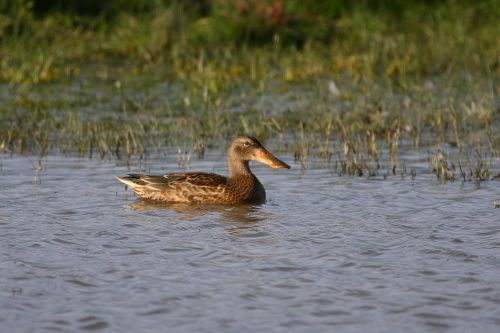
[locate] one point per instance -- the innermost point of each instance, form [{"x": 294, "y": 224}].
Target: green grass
[
  {"x": 233, "y": 44},
  {"x": 351, "y": 90}
]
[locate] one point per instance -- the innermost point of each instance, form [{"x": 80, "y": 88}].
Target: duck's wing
[
  {"x": 177, "y": 187},
  {"x": 186, "y": 178}
]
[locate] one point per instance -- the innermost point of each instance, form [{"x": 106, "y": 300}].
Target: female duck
[{"x": 199, "y": 187}]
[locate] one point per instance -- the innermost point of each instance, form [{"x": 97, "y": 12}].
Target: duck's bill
[{"x": 265, "y": 157}]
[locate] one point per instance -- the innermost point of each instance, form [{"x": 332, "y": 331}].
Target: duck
[{"x": 241, "y": 186}]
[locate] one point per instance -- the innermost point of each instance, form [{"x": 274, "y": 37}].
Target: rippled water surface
[{"x": 324, "y": 254}]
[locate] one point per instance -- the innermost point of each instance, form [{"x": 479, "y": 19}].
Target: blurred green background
[{"x": 380, "y": 37}]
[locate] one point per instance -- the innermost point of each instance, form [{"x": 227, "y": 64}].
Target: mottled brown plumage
[{"x": 241, "y": 186}]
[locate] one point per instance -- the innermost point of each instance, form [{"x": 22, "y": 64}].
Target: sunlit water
[{"x": 324, "y": 254}]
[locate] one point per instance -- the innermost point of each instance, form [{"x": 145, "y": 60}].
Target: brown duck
[{"x": 241, "y": 186}]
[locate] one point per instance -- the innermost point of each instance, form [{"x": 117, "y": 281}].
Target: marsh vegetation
[{"x": 344, "y": 85}]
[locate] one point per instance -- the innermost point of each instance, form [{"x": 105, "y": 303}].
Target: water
[{"x": 325, "y": 253}]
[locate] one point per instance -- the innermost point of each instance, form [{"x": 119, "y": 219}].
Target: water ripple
[{"x": 326, "y": 253}]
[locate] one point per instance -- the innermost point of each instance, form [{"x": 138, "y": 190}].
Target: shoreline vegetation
[{"x": 333, "y": 80}]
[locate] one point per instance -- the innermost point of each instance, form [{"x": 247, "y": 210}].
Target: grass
[
  {"x": 137, "y": 85},
  {"x": 213, "y": 52},
  {"x": 362, "y": 129}
]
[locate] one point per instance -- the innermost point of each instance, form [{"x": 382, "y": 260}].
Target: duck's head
[{"x": 247, "y": 148}]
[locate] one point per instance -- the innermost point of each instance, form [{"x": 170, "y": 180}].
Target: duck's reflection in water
[
  {"x": 244, "y": 214},
  {"x": 249, "y": 228}
]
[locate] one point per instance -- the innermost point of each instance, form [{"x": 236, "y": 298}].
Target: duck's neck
[{"x": 238, "y": 168}]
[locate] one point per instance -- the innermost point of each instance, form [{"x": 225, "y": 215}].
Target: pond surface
[{"x": 325, "y": 253}]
